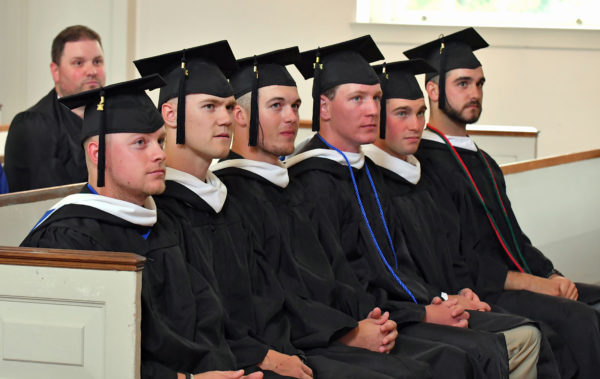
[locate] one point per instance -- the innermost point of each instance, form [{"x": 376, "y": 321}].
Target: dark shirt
[{"x": 43, "y": 147}]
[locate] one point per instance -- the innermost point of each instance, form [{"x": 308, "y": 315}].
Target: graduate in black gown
[
  {"x": 348, "y": 92},
  {"x": 287, "y": 322},
  {"x": 42, "y": 145},
  {"x": 257, "y": 181},
  {"x": 430, "y": 233},
  {"x": 498, "y": 258},
  {"x": 183, "y": 321}
]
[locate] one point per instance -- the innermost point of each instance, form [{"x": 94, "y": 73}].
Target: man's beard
[{"x": 456, "y": 116}]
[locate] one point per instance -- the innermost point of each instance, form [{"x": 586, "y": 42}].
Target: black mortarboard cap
[
  {"x": 448, "y": 53},
  {"x": 196, "y": 70},
  {"x": 118, "y": 108},
  {"x": 398, "y": 82},
  {"x": 261, "y": 71},
  {"x": 341, "y": 63}
]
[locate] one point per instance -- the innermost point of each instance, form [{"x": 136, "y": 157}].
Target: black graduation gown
[
  {"x": 430, "y": 236},
  {"x": 485, "y": 264},
  {"x": 43, "y": 147},
  {"x": 182, "y": 318},
  {"x": 286, "y": 321},
  {"x": 285, "y": 231},
  {"x": 329, "y": 198}
]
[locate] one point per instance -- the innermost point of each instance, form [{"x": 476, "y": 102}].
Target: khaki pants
[{"x": 523, "y": 345}]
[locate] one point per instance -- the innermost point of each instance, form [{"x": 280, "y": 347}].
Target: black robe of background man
[
  {"x": 183, "y": 321},
  {"x": 43, "y": 148},
  {"x": 286, "y": 321},
  {"x": 485, "y": 264},
  {"x": 431, "y": 237}
]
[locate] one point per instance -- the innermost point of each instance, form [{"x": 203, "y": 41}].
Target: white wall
[
  {"x": 27, "y": 29},
  {"x": 541, "y": 78}
]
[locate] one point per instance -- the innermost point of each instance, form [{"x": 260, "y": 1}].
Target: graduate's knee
[{"x": 523, "y": 345}]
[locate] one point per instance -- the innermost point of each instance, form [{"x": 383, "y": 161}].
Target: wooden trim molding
[
  {"x": 513, "y": 168},
  {"x": 501, "y": 133},
  {"x": 475, "y": 131},
  {"x": 4, "y": 127},
  {"x": 39, "y": 194},
  {"x": 306, "y": 124},
  {"x": 96, "y": 260}
]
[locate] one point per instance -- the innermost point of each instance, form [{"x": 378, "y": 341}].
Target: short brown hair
[
  {"x": 330, "y": 93},
  {"x": 71, "y": 34}
]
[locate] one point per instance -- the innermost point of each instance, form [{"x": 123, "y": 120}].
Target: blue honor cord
[{"x": 365, "y": 218}]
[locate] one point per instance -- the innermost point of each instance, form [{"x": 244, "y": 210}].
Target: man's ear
[
  {"x": 432, "y": 91},
  {"x": 324, "y": 108},
  {"x": 91, "y": 150},
  {"x": 169, "y": 114},
  {"x": 240, "y": 116},
  {"x": 54, "y": 72}
]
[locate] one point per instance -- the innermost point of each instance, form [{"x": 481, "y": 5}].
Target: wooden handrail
[
  {"x": 97, "y": 260},
  {"x": 475, "y": 131},
  {"x": 534, "y": 164},
  {"x": 306, "y": 124},
  {"x": 39, "y": 194},
  {"x": 501, "y": 133}
]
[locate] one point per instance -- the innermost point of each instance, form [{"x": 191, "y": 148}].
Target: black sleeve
[{"x": 488, "y": 270}]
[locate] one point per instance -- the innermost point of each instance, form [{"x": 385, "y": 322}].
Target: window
[{"x": 572, "y": 14}]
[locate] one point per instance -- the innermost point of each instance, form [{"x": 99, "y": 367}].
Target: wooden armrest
[{"x": 85, "y": 259}]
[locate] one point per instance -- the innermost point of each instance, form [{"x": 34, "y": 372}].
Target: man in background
[{"x": 42, "y": 146}]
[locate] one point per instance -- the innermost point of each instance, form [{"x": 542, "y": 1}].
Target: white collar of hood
[
  {"x": 409, "y": 169},
  {"x": 357, "y": 160},
  {"x": 456, "y": 141},
  {"x": 213, "y": 191},
  {"x": 274, "y": 173},
  {"x": 140, "y": 215}
]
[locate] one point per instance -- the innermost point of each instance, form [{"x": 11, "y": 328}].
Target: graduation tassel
[
  {"x": 253, "y": 138},
  {"x": 101, "y": 141},
  {"x": 383, "y": 113},
  {"x": 180, "y": 140},
  {"x": 316, "y": 93},
  {"x": 442, "y": 81}
]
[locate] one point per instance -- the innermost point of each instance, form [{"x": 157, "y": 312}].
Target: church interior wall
[{"x": 535, "y": 77}]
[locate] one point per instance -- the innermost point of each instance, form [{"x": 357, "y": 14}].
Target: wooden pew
[
  {"x": 535, "y": 164},
  {"x": 69, "y": 313},
  {"x": 556, "y": 202},
  {"x": 19, "y": 211}
]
